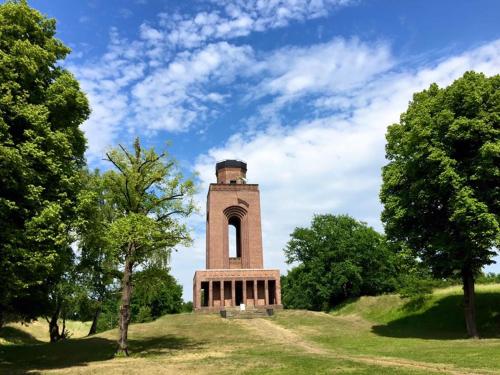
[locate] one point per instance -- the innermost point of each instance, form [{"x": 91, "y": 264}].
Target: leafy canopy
[
  {"x": 97, "y": 268},
  {"x": 156, "y": 293},
  {"x": 148, "y": 195},
  {"x": 441, "y": 187},
  {"x": 41, "y": 152},
  {"x": 338, "y": 257}
]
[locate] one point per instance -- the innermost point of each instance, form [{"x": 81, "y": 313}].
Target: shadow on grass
[
  {"x": 444, "y": 319},
  {"x": 17, "y": 336},
  {"x": 34, "y": 358},
  {"x": 161, "y": 345}
]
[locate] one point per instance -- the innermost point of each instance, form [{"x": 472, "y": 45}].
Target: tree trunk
[
  {"x": 125, "y": 307},
  {"x": 64, "y": 332},
  {"x": 53, "y": 326},
  {"x": 469, "y": 303},
  {"x": 93, "y": 327}
]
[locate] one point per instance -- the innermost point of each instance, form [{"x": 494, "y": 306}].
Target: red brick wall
[{"x": 243, "y": 200}]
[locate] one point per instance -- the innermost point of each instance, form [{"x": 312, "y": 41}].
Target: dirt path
[{"x": 275, "y": 333}]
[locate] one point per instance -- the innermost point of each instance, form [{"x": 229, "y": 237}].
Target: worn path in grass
[{"x": 269, "y": 330}]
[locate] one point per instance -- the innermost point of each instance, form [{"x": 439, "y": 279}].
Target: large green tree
[
  {"x": 150, "y": 195},
  {"x": 337, "y": 258},
  {"x": 441, "y": 187},
  {"x": 41, "y": 152}
]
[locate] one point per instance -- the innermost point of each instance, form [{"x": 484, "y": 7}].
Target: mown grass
[
  {"x": 393, "y": 327},
  {"x": 373, "y": 328},
  {"x": 186, "y": 343}
]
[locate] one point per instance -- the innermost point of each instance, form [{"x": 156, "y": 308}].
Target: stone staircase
[{"x": 248, "y": 313}]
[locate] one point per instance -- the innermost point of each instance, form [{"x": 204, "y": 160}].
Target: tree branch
[
  {"x": 164, "y": 199},
  {"x": 153, "y": 160},
  {"x": 114, "y": 163},
  {"x": 129, "y": 157},
  {"x": 162, "y": 217}
]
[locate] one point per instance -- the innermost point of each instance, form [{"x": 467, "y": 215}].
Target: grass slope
[
  {"x": 38, "y": 332},
  {"x": 371, "y": 335}
]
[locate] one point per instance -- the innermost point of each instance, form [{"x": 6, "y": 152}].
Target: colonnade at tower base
[{"x": 218, "y": 289}]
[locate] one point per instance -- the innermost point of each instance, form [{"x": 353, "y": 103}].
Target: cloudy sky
[{"x": 302, "y": 90}]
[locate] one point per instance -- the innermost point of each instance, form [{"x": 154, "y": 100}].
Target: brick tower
[{"x": 239, "y": 278}]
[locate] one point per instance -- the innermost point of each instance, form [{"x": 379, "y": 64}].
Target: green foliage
[
  {"x": 148, "y": 194},
  {"x": 440, "y": 188},
  {"x": 488, "y": 278},
  {"x": 41, "y": 152},
  {"x": 187, "y": 307},
  {"x": 143, "y": 314},
  {"x": 108, "y": 319},
  {"x": 338, "y": 258},
  {"x": 414, "y": 278},
  {"x": 149, "y": 197},
  {"x": 97, "y": 266},
  {"x": 156, "y": 293}
]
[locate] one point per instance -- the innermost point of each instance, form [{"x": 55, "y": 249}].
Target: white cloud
[
  {"x": 126, "y": 93},
  {"x": 150, "y": 34},
  {"x": 320, "y": 71},
  {"x": 173, "y": 97},
  {"x": 330, "y": 164},
  {"x": 240, "y": 18},
  {"x": 144, "y": 86},
  {"x": 338, "y": 65},
  {"x": 104, "y": 82}
]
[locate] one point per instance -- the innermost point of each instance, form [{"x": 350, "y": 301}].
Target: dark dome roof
[{"x": 231, "y": 164}]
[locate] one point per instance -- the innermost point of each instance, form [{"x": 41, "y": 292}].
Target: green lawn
[
  {"x": 389, "y": 326},
  {"x": 373, "y": 335}
]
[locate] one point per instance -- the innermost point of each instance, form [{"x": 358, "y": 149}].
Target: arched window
[{"x": 234, "y": 232}]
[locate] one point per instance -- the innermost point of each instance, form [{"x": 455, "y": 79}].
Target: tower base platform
[{"x": 216, "y": 289}]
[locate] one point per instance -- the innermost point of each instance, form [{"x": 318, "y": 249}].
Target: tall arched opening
[{"x": 234, "y": 231}]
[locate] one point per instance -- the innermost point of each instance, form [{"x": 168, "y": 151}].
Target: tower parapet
[{"x": 231, "y": 172}]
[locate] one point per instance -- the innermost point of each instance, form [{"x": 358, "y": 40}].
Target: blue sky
[{"x": 303, "y": 90}]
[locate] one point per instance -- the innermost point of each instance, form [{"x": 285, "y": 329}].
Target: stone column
[
  {"x": 233, "y": 293},
  {"x": 255, "y": 297},
  {"x": 244, "y": 292},
  {"x": 222, "y": 297},
  {"x": 198, "y": 294},
  {"x": 278, "y": 291},
  {"x": 195, "y": 302},
  {"x": 210, "y": 294},
  {"x": 267, "y": 292}
]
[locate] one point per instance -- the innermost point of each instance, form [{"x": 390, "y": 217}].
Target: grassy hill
[
  {"x": 38, "y": 332},
  {"x": 372, "y": 335}
]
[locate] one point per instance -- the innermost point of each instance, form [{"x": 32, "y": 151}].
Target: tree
[
  {"x": 441, "y": 187},
  {"x": 41, "y": 152},
  {"x": 338, "y": 258},
  {"x": 156, "y": 293},
  {"x": 97, "y": 267},
  {"x": 150, "y": 195}
]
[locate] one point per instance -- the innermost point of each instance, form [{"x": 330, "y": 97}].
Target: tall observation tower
[{"x": 240, "y": 277}]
